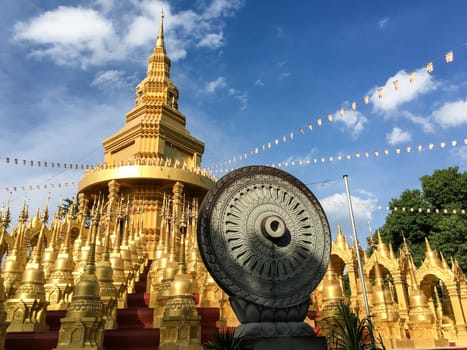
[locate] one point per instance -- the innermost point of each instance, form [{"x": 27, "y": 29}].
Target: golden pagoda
[{"x": 153, "y": 155}]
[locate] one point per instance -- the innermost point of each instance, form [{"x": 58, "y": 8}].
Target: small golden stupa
[
  {"x": 26, "y": 311},
  {"x": 83, "y": 325}
]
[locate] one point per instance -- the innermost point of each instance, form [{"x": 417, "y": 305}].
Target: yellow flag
[
  {"x": 450, "y": 57},
  {"x": 429, "y": 67}
]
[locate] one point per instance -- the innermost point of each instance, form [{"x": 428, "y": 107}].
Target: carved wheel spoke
[{"x": 261, "y": 231}]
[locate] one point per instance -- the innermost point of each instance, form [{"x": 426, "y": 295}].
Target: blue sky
[{"x": 248, "y": 72}]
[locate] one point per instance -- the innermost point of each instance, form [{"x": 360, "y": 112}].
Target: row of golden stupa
[{"x": 141, "y": 208}]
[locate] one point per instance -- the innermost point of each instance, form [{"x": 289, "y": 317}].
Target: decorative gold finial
[{"x": 160, "y": 35}]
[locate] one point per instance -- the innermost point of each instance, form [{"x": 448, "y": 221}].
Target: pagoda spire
[{"x": 160, "y": 35}]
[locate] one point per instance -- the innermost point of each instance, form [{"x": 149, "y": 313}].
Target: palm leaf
[
  {"x": 222, "y": 340},
  {"x": 350, "y": 332}
]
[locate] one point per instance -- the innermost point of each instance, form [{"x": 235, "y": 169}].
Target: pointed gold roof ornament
[
  {"x": 444, "y": 264},
  {"x": 160, "y": 35},
  {"x": 405, "y": 250},
  {"x": 24, "y": 213},
  {"x": 341, "y": 241},
  {"x": 7, "y": 216},
  {"x": 381, "y": 246},
  {"x": 35, "y": 221},
  {"x": 431, "y": 257},
  {"x": 392, "y": 256},
  {"x": 45, "y": 212}
]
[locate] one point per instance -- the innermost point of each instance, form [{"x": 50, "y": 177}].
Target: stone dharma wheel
[{"x": 264, "y": 237}]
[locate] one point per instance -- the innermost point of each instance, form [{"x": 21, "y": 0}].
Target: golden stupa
[{"x": 153, "y": 155}]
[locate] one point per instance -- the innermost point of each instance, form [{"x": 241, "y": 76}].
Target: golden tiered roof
[{"x": 155, "y": 128}]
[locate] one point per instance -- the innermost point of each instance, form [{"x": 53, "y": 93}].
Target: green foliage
[
  {"x": 444, "y": 189},
  {"x": 351, "y": 333},
  {"x": 222, "y": 340},
  {"x": 66, "y": 204}
]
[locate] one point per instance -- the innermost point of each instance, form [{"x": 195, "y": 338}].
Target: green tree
[{"x": 444, "y": 189}]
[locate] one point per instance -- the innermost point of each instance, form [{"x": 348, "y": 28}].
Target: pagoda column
[
  {"x": 457, "y": 309},
  {"x": 82, "y": 204},
  {"x": 114, "y": 199},
  {"x": 177, "y": 191},
  {"x": 353, "y": 285},
  {"x": 463, "y": 296},
  {"x": 401, "y": 291}
]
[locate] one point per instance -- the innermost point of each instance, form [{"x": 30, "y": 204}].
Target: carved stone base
[{"x": 274, "y": 329}]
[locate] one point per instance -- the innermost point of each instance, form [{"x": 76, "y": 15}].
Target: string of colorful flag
[
  {"x": 329, "y": 203},
  {"x": 448, "y": 58},
  {"x": 325, "y": 203},
  {"x": 166, "y": 162},
  {"x": 46, "y": 164},
  {"x": 358, "y": 155},
  {"x": 49, "y": 186}
]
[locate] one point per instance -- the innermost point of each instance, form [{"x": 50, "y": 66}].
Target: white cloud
[
  {"x": 69, "y": 35},
  {"x": 425, "y": 123},
  {"x": 112, "y": 79},
  {"x": 90, "y": 36},
  {"x": 212, "y": 40},
  {"x": 105, "y": 5},
  {"x": 407, "y": 91},
  {"x": 222, "y": 8},
  {"x": 353, "y": 120},
  {"x": 382, "y": 22},
  {"x": 242, "y": 97},
  {"x": 397, "y": 136},
  {"x": 337, "y": 211},
  {"x": 259, "y": 82},
  {"x": 460, "y": 153},
  {"x": 214, "y": 85},
  {"x": 451, "y": 114}
]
